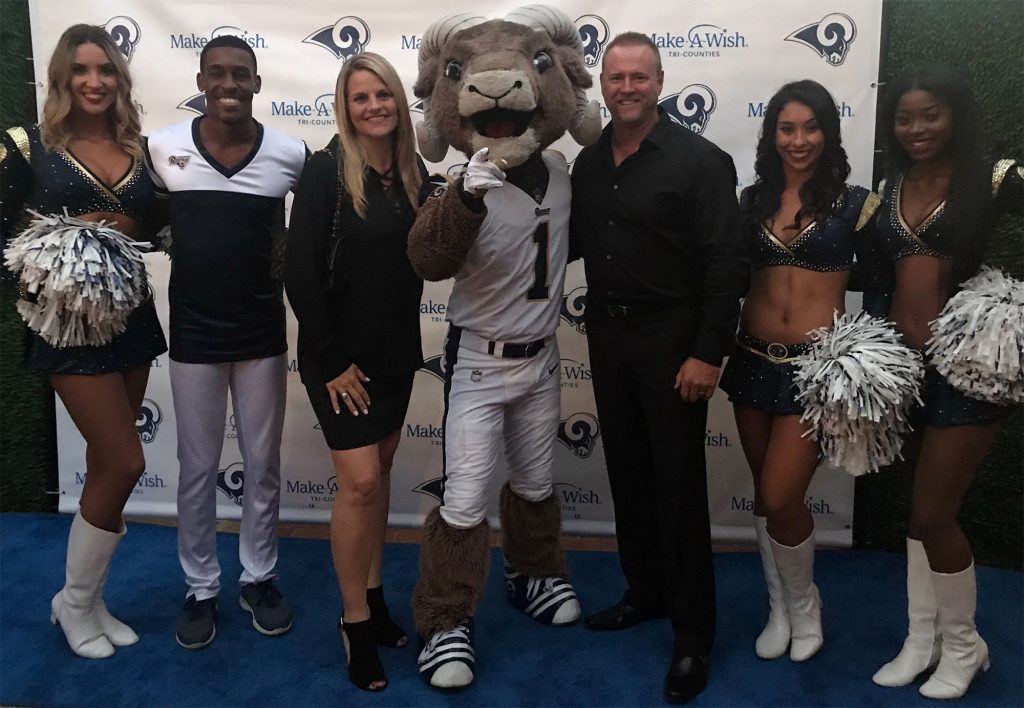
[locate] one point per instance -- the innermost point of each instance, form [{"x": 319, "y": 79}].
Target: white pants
[
  {"x": 493, "y": 404},
  {"x": 200, "y": 406}
]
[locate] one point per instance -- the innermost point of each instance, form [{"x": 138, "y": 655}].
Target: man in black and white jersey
[{"x": 225, "y": 177}]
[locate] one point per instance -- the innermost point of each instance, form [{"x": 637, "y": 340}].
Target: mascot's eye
[
  {"x": 543, "y": 62},
  {"x": 453, "y": 71}
]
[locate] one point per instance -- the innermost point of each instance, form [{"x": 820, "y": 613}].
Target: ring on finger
[{"x": 344, "y": 394}]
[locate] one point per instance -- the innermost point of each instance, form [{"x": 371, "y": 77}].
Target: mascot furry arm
[{"x": 513, "y": 86}]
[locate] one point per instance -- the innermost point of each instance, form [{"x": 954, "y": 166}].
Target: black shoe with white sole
[
  {"x": 197, "y": 625},
  {"x": 270, "y": 613}
]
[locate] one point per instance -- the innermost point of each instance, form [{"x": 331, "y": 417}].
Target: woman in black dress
[
  {"x": 85, "y": 157},
  {"x": 357, "y": 300}
]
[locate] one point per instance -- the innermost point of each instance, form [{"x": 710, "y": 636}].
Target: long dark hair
[
  {"x": 970, "y": 189},
  {"x": 828, "y": 180}
]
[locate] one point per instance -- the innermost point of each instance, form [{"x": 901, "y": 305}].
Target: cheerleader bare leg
[{"x": 103, "y": 408}]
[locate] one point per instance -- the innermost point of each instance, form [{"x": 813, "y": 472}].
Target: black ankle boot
[
  {"x": 364, "y": 667},
  {"x": 389, "y": 634}
]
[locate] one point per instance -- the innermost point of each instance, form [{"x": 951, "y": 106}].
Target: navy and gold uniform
[
  {"x": 759, "y": 374},
  {"x": 55, "y": 181},
  {"x": 936, "y": 236}
]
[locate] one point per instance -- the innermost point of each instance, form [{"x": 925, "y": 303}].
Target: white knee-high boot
[
  {"x": 803, "y": 602},
  {"x": 923, "y": 644},
  {"x": 964, "y": 652},
  {"x": 774, "y": 638},
  {"x": 78, "y": 607}
]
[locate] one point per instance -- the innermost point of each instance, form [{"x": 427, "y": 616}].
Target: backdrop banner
[{"x": 722, "y": 62}]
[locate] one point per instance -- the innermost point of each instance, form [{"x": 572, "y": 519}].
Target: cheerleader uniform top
[
  {"x": 935, "y": 235},
  {"x": 822, "y": 246},
  {"x": 50, "y": 182}
]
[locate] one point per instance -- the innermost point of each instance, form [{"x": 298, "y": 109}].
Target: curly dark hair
[
  {"x": 969, "y": 201},
  {"x": 827, "y": 182}
]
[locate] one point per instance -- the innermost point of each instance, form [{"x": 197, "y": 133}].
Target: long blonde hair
[
  {"x": 352, "y": 153},
  {"x": 54, "y": 129}
]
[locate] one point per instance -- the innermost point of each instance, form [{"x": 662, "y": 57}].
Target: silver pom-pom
[
  {"x": 978, "y": 338},
  {"x": 80, "y": 279},
  {"x": 857, "y": 385}
]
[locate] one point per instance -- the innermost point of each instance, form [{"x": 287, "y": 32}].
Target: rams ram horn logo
[
  {"x": 579, "y": 433},
  {"x": 830, "y": 37},
  {"x": 574, "y": 304},
  {"x": 434, "y": 366},
  {"x": 230, "y": 481},
  {"x": 594, "y": 35},
  {"x": 195, "y": 103},
  {"x": 344, "y": 39},
  {"x": 126, "y": 34},
  {"x": 692, "y": 107},
  {"x": 147, "y": 423},
  {"x": 432, "y": 488}
]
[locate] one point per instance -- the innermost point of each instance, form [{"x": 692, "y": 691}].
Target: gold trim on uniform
[
  {"x": 769, "y": 357},
  {"x": 871, "y": 204},
  {"x": 20, "y": 137},
  {"x": 3, "y": 152},
  {"x": 999, "y": 171}
]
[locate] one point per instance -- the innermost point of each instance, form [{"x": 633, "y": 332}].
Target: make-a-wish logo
[
  {"x": 126, "y": 34},
  {"x": 194, "y": 41},
  {"x": 316, "y": 490},
  {"x": 344, "y": 39},
  {"x": 830, "y": 37},
  {"x": 574, "y": 305},
  {"x": 571, "y": 497},
  {"x": 230, "y": 482},
  {"x": 147, "y": 423},
  {"x": 594, "y": 34},
  {"x": 195, "y": 103},
  {"x": 692, "y": 107},
  {"x": 319, "y": 112},
  {"x": 574, "y": 373},
  {"x": 230, "y": 430},
  {"x": 434, "y": 366},
  {"x": 579, "y": 433},
  {"x": 432, "y": 488},
  {"x": 703, "y": 40}
]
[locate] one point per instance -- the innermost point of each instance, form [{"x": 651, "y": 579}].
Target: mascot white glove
[{"x": 482, "y": 174}]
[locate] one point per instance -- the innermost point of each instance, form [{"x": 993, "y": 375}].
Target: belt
[
  {"x": 772, "y": 351},
  {"x": 622, "y": 311},
  {"x": 502, "y": 350}
]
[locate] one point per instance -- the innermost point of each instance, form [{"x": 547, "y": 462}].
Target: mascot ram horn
[{"x": 513, "y": 85}]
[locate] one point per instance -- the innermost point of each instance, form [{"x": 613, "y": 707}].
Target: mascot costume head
[{"x": 513, "y": 85}]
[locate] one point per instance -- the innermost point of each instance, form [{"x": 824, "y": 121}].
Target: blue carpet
[{"x": 520, "y": 662}]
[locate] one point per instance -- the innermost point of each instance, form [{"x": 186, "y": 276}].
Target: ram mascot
[{"x": 499, "y": 91}]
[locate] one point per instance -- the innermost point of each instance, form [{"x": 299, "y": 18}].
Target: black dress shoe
[
  {"x": 686, "y": 677},
  {"x": 619, "y": 616}
]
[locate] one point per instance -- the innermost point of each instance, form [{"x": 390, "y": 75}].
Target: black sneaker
[
  {"x": 270, "y": 613},
  {"x": 197, "y": 625}
]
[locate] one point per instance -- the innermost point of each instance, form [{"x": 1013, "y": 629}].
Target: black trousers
[{"x": 654, "y": 451}]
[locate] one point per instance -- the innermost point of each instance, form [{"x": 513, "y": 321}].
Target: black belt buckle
[
  {"x": 778, "y": 351},
  {"x": 617, "y": 311}
]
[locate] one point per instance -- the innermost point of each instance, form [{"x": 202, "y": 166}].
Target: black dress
[
  {"x": 370, "y": 315},
  {"x": 50, "y": 182}
]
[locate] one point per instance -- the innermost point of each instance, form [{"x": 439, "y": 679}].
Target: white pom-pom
[
  {"x": 80, "y": 279},
  {"x": 978, "y": 342},
  {"x": 857, "y": 385}
]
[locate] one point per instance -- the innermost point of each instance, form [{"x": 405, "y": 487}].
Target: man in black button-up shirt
[{"x": 654, "y": 216}]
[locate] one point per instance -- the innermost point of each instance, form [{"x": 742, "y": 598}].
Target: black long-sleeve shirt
[
  {"x": 371, "y": 316},
  {"x": 663, "y": 226}
]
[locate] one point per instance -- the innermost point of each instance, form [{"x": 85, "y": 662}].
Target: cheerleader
[
  {"x": 84, "y": 160},
  {"x": 803, "y": 223},
  {"x": 940, "y": 203}
]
